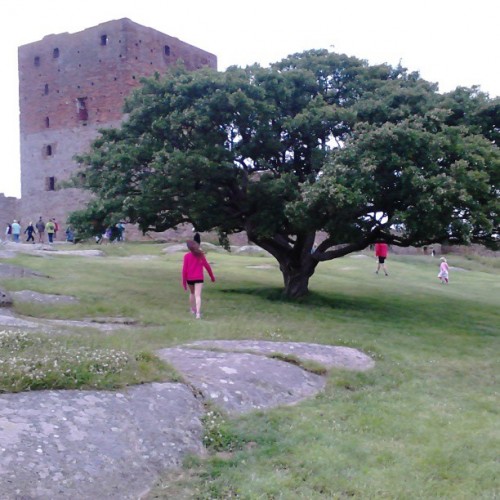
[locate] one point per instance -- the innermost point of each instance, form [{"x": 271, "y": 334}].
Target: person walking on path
[
  {"x": 40, "y": 227},
  {"x": 381, "y": 251},
  {"x": 192, "y": 275},
  {"x": 56, "y": 227},
  {"x": 121, "y": 230},
  {"x": 16, "y": 231},
  {"x": 196, "y": 236},
  {"x": 443, "y": 271},
  {"x": 8, "y": 232},
  {"x": 70, "y": 235},
  {"x": 51, "y": 229},
  {"x": 30, "y": 229}
]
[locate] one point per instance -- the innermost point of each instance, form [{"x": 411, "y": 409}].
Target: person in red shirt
[
  {"x": 192, "y": 275},
  {"x": 381, "y": 251}
]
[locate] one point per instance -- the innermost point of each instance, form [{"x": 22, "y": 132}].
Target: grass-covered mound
[{"x": 422, "y": 424}]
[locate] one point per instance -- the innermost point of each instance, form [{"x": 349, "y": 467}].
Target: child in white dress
[{"x": 443, "y": 271}]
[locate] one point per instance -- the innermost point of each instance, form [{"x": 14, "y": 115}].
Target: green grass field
[{"x": 424, "y": 423}]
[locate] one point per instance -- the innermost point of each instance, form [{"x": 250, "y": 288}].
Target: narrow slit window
[
  {"x": 104, "y": 39},
  {"x": 48, "y": 150},
  {"x": 50, "y": 183},
  {"x": 55, "y": 53},
  {"x": 47, "y": 122},
  {"x": 36, "y": 61},
  {"x": 81, "y": 108},
  {"x": 166, "y": 50},
  {"x": 46, "y": 89}
]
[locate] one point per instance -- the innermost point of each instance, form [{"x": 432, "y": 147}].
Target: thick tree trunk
[
  {"x": 296, "y": 276},
  {"x": 296, "y": 284},
  {"x": 296, "y": 262}
]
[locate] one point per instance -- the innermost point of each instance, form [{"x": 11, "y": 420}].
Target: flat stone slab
[
  {"x": 77, "y": 253},
  {"x": 7, "y": 318},
  {"x": 11, "y": 271},
  {"x": 80, "y": 445},
  {"x": 180, "y": 247},
  {"x": 239, "y": 382},
  {"x": 7, "y": 254},
  {"x": 44, "y": 298},
  {"x": 94, "y": 445},
  {"x": 251, "y": 249},
  {"x": 326, "y": 355},
  {"x": 44, "y": 249}
]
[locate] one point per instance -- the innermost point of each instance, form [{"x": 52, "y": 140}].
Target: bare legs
[
  {"x": 195, "y": 298},
  {"x": 380, "y": 265}
]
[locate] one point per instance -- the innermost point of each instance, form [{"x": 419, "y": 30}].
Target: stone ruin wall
[
  {"x": 9, "y": 210},
  {"x": 72, "y": 85}
]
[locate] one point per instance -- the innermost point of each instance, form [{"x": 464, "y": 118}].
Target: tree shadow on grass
[
  {"x": 330, "y": 301},
  {"x": 423, "y": 311}
]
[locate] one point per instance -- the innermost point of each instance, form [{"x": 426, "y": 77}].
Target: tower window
[
  {"x": 166, "y": 50},
  {"x": 46, "y": 89},
  {"x": 81, "y": 108},
  {"x": 36, "y": 61},
  {"x": 48, "y": 150},
  {"x": 47, "y": 122},
  {"x": 55, "y": 53},
  {"x": 50, "y": 183},
  {"x": 104, "y": 39}
]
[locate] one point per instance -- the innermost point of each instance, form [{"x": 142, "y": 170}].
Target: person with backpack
[
  {"x": 192, "y": 275},
  {"x": 40, "y": 227},
  {"x": 50, "y": 228}
]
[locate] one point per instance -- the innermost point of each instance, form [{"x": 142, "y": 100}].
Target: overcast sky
[{"x": 451, "y": 42}]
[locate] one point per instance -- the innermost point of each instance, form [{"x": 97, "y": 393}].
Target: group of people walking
[
  {"x": 13, "y": 231},
  {"x": 113, "y": 234},
  {"x": 195, "y": 262}
]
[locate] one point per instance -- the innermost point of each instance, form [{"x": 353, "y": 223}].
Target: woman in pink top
[
  {"x": 192, "y": 275},
  {"x": 443, "y": 271}
]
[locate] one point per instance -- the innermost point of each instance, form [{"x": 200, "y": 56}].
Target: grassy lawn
[{"x": 423, "y": 424}]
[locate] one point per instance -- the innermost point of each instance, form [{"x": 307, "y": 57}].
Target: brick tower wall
[{"x": 72, "y": 85}]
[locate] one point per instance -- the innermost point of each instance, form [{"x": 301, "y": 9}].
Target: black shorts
[
  {"x": 193, "y": 282},
  {"x": 381, "y": 260}
]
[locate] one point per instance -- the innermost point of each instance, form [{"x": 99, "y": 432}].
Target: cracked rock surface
[
  {"x": 240, "y": 382},
  {"x": 113, "y": 445},
  {"x": 92, "y": 444}
]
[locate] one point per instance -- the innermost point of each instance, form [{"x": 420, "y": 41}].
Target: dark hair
[{"x": 194, "y": 248}]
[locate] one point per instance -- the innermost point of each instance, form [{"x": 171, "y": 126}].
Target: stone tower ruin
[{"x": 70, "y": 86}]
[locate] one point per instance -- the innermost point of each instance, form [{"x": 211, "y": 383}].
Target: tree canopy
[{"x": 318, "y": 143}]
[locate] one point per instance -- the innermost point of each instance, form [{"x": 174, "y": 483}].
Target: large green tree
[{"x": 318, "y": 143}]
